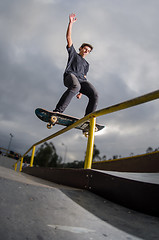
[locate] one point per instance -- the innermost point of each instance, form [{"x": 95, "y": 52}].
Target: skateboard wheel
[
  {"x": 96, "y": 129},
  {"x": 86, "y": 134},
  {"x": 49, "y": 126},
  {"x": 53, "y": 119}
]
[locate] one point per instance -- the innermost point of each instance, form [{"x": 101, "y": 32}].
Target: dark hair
[{"x": 86, "y": 44}]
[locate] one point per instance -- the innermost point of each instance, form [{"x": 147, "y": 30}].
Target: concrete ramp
[
  {"x": 34, "y": 209},
  {"x": 7, "y": 162}
]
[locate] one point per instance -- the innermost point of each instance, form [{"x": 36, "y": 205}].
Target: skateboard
[{"x": 53, "y": 118}]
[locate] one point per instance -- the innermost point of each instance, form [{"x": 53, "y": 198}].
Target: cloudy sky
[{"x": 123, "y": 65}]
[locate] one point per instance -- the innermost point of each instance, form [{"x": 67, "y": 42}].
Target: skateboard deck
[{"x": 53, "y": 118}]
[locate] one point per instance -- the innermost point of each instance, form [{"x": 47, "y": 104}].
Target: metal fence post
[
  {"x": 21, "y": 163},
  {"x": 32, "y": 157},
  {"x": 90, "y": 145},
  {"x": 15, "y": 166}
]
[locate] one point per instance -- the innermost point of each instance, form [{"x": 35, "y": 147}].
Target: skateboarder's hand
[
  {"x": 72, "y": 18},
  {"x": 79, "y": 95}
]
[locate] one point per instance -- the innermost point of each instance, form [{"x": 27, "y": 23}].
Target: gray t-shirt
[{"x": 76, "y": 64}]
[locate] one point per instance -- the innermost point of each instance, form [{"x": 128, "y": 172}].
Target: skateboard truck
[
  {"x": 53, "y": 121},
  {"x": 86, "y": 132}
]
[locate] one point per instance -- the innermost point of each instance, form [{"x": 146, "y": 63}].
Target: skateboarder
[{"x": 75, "y": 74}]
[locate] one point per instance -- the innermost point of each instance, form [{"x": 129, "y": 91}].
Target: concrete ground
[{"x": 34, "y": 209}]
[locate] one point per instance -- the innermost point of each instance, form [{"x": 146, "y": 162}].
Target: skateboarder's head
[{"x": 85, "y": 49}]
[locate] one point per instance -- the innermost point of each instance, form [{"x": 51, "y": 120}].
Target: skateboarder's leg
[
  {"x": 89, "y": 90},
  {"x": 73, "y": 85}
]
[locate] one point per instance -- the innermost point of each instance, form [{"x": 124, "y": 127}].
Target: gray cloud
[{"x": 123, "y": 65}]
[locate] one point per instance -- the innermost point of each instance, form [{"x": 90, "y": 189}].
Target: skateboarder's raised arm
[{"x": 72, "y": 19}]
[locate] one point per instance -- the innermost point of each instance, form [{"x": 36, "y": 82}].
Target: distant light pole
[
  {"x": 65, "y": 153},
  {"x": 11, "y": 136}
]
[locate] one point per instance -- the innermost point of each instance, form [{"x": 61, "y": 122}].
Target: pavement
[{"x": 35, "y": 209}]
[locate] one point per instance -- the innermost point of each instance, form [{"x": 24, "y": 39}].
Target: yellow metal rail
[{"x": 92, "y": 116}]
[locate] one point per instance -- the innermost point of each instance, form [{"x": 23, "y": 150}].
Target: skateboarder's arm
[{"x": 72, "y": 19}]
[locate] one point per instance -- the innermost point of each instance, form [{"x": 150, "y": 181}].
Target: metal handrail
[{"x": 90, "y": 144}]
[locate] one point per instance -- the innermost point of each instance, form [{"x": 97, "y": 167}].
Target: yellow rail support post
[
  {"x": 90, "y": 144},
  {"x": 21, "y": 163},
  {"x": 15, "y": 166},
  {"x": 32, "y": 157}
]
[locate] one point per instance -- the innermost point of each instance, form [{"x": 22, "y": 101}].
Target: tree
[
  {"x": 149, "y": 149},
  {"x": 156, "y": 149},
  {"x": 27, "y": 159},
  {"x": 104, "y": 158},
  {"x": 96, "y": 153},
  {"x": 46, "y": 156},
  {"x": 74, "y": 164}
]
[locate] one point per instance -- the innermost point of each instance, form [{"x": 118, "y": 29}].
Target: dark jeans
[{"x": 73, "y": 87}]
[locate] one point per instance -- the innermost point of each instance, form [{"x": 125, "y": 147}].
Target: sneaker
[{"x": 56, "y": 111}]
